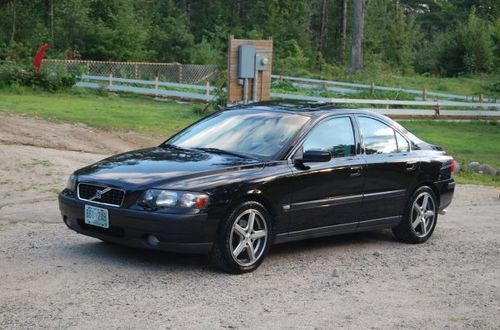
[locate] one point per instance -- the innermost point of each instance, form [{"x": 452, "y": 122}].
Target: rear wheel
[
  {"x": 243, "y": 239},
  {"x": 420, "y": 217}
]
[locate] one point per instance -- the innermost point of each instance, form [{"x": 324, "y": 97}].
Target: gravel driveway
[{"x": 51, "y": 277}]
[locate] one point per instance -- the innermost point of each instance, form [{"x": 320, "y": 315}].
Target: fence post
[
  {"x": 207, "y": 91},
  {"x": 481, "y": 98},
  {"x": 110, "y": 80},
  {"x": 424, "y": 94},
  {"x": 179, "y": 73},
  {"x": 136, "y": 71},
  {"x": 156, "y": 85}
]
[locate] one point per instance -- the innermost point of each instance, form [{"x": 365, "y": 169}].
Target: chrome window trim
[{"x": 319, "y": 121}]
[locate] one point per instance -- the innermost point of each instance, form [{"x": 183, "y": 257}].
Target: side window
[
  {"x": 378, "y": 138},
  {"x": 403, "y": 145},
  {"x": 335, "y": 135}
]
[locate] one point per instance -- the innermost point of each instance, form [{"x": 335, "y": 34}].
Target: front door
[{"x": 326, "y": 196}]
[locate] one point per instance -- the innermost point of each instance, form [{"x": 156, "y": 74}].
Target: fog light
[{"x": 153, "y": 240}]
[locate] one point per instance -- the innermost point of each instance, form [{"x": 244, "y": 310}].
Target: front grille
[{"x": 100, "y": 194}]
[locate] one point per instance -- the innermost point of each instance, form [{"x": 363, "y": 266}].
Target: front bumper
[{"x": 174, "y": 232}]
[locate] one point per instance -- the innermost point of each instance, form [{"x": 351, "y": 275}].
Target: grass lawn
[
  {"x": 466, "y": 141},
  {"x": 102, "y": 110}
]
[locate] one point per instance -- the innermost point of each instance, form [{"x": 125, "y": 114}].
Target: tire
[
  {"x": 420, "y": 217},
  {"x": 240, "y": 248}
]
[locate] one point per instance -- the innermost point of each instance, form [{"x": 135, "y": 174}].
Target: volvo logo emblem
[{"x": 99, "y": 193}]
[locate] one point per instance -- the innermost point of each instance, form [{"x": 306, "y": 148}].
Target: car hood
[{"x": 156, "y": 167}]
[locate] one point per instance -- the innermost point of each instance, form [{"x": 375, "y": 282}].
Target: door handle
[
  {"x": 411, "y": 166},
  {"x": 356, "y": 171}
]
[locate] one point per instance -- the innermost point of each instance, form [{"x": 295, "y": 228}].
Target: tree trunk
[
  {"x": 324, "y": 26},
  {"x": 13, "y": 32},
  {"x": 343, "y": 30},
  {"x": 52, "y": 22},
  {"x": 357, "y": 36}
]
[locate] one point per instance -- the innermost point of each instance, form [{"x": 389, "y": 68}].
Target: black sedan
[{"x": 241, "y": 179}]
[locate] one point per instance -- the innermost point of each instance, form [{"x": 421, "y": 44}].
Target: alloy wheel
[
  {"x": 248, "y": 238},
  {"x": 423, "y": 214}
]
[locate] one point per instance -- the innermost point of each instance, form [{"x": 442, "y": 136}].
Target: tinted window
[
  {"x": 253, "y": 132},
  {"x": 378, "y": 138},
  {"x": 335, "y": 135},
  {"x": 403, "y": 145}
]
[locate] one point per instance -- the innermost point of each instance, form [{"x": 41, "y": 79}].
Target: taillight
[{"x": 453, "y": 166}]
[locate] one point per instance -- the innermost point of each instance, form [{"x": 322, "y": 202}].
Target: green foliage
[
  {"x": 468, "y": 49},
  {"x": 17, "y": 75},
  {"x": 170, "y": 38},
  {"x": 450, "y": 37}
]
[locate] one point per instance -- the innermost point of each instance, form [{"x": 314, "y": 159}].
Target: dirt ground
[{"x": 51, "y": 277}]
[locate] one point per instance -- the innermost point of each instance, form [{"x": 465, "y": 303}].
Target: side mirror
[{"x": 316, "y": 156}]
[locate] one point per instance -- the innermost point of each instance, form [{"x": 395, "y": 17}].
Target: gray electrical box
[{"x": 246, "y": 65}]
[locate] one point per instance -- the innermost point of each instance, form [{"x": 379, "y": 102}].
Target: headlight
[
  {"x": 168, "y": 198},
  {"x": 71, "y": 184}
]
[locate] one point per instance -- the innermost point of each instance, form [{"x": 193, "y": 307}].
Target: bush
[
  {"x": 469, "y": 49},
  {"x": 12, "y": 74}
]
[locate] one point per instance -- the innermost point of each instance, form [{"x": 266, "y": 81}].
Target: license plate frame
[{"x": 96, "y": 216}]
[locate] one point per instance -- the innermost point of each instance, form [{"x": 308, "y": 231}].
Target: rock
[
  {"x": 377, "y": 253},
  {"x": 487, "y": 169},
  {"x": 335, "y": 273},
  {"x": 474, "y": 166}
]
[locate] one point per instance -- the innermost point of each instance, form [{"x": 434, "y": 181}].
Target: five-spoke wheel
[
  {"x": 420, "y": 217},
  {"x": 423, "y": 214},
  {"x": 248, "y": 237},
  {"x": 243, "y": 239}
]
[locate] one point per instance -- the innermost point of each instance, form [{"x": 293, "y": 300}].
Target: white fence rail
[
  {"x": 130, "y": 85},
  {"x": 353, "y": 88},
  {"x": 465, "y": 110}
]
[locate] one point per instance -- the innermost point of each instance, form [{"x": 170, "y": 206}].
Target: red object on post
[{"x": 40, "y": 54}]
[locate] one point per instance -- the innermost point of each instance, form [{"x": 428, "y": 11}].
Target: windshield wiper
[{"x": 225, "y": 152}]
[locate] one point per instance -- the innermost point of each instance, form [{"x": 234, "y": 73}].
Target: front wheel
[
  {"x": 420, "y": 217},
  {"x": 243, "y": 240}
]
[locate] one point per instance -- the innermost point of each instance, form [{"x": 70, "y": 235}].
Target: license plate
[{"x": 96, "y": 216}]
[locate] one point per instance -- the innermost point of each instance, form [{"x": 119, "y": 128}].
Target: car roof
[{"x": 309, "y": 108}]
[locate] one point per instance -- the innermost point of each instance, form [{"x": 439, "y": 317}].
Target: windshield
[{"x": 260, "y": 134}]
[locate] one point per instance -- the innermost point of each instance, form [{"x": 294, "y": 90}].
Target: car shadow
[
  {"x": 122, "y": 256},
  {"x": 378, "y": 237}
]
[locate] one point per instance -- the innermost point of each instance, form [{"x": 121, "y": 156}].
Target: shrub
[{"x": 13, "y": 74}]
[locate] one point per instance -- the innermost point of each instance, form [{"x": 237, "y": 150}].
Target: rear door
[
  {"x": 390, "y": 171},
  {"x": 328, "y": 195}
]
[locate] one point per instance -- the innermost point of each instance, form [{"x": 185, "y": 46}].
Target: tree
[
  {"x": 343, "y": 30},
  {"x": 357, "y": 36}
]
